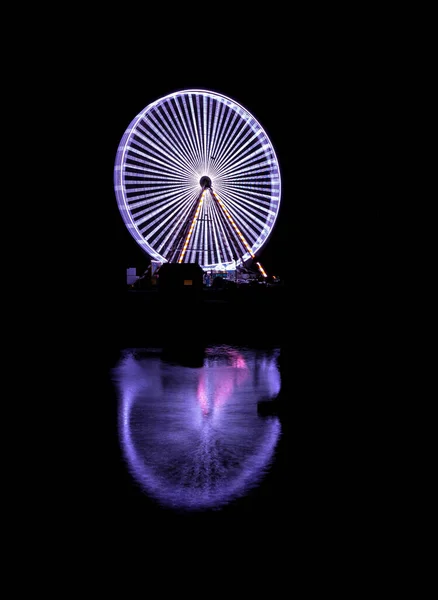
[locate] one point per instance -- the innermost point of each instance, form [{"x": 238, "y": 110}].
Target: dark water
[
  {"x": 199, "y": 439},
  {"x": 196, "y": 450}
]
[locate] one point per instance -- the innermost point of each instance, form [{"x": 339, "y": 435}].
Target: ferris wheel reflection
[{"x": 192, "y": 437}]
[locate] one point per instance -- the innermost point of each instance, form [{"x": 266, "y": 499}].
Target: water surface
[{"x": 190, "y": 432}]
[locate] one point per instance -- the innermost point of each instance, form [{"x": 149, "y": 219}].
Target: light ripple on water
[{"x": 192, "y": 437}]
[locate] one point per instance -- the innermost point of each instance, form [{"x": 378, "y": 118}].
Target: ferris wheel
[{"x": 197, "y": 180}]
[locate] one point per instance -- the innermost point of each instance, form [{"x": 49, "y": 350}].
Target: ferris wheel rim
[{"x": 258, "y": 169}]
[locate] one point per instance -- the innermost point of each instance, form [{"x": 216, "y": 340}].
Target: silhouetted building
[{"x": 180, "y": 278}]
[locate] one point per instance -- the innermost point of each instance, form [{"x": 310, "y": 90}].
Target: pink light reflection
[{"x": 220, "y": 388}]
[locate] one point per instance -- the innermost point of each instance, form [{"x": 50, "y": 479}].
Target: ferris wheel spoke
[
  {"x": 249, "y": 157},
  {"x": 229, "y": 135},
  {"x": 168, "y": 216},
  {"x": 241, "y": 204},
  {"x": 191, "y": 122},
  {"x": 164, "y": 164},
  {"x": 174, "y": 137},
  {"x": 236, "y": 232},
  {"x": 211, "y": 131},
  {"x": 245, "y": 226},
  {"x": 222, "y": 247},
  {"x": 166, "y": 155},
  {"x": 226, "y": 145},
  {"x": 181, "y": 120},
  {"x": 216, "y": 132}
]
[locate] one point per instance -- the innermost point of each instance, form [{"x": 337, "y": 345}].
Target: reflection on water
[{"x": 191, "y": 436}]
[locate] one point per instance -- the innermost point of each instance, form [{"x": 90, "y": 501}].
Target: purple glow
[
  {"x": 192, "y": 437},
  {"x": 163, "y": 155}
]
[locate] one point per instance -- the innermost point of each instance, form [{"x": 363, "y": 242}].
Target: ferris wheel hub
[{"x": 205, "y": 182}]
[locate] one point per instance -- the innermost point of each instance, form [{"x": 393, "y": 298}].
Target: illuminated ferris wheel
[{"x": 197, "y": 180}]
